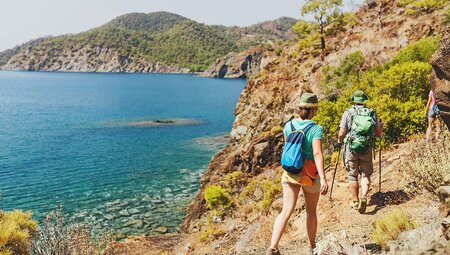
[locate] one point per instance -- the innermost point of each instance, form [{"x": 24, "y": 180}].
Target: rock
[
  {"x": 161, "y": 230},
  {"x": 133, "y": 211},
  {"x": 244, "y": 64},
  {"x": 417, "y": 240},
  {"x": 146, "y": 198},
  {"x": 444, "y": 195},
  {"x": 238, "y": 132},
  {"x": 109, "y": 217},
  {"x": 134, "y": 223},
  {"x": 124, "y": 213},
  {"x": 440, "y": 76}
]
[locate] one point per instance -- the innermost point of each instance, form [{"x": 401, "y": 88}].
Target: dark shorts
[
  {"x": 358, "y": 164},
  {"x": 433, "y": 112}
]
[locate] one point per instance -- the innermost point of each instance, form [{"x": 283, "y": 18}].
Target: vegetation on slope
[{"x": 159, "y": 37}]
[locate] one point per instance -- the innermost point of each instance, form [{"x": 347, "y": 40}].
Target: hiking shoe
[
  {"x": 272, "y": 251},
  {"x": 313, "y": 250},
  {"x": 354, "y": 205},
  {"x": 362, "y": 205}
]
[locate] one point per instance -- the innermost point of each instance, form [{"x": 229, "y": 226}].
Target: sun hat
[
  {"x": 308, "y": 100},
  {"x": 359, "y": 97}
]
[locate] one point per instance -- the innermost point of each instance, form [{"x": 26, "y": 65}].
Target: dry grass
[
  {"x": 389, "y": 227},
  {"x": 57, "y": 238},
  {"x": 427, "y": 165}
]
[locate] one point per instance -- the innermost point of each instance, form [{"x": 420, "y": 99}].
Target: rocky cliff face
[
  {"x": 248, "y": 63},
  {"x": 440, "y": 77},
  {"x": 86, "y": 59}
]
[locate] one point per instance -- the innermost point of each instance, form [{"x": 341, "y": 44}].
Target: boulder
[{"x": 440, "y": 76}]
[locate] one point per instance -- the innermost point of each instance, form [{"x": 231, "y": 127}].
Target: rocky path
[{"x": 338, "y": 224}]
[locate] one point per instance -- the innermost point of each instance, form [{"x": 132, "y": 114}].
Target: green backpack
[{"x": 362, "y": 133}]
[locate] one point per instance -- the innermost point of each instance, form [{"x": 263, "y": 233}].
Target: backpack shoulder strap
[
  {"x": 292, "y": 127},
  {"x": 308, "y": 127}
]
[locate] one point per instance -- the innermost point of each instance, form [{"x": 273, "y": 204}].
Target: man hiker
[{"x": 358, "y": 128}]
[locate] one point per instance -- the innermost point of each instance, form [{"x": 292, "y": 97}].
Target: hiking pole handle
[{"x": 335, "y": 169}]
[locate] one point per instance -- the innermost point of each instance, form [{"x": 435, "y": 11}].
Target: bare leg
[
  {"x": 290, "y": 195},
  {"x": 311, "y": 200},
  {"x": 430, "y": 128},
  {"x": 438, "y": 127},
  {"x": 354, "y": 189},
  {"x": 365, "y": 185}
]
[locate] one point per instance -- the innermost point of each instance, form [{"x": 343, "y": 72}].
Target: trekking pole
[
  {"x": 334, "y": 175},
  {"x": 379, "y": 167},
  {"x": 379, "y": 164}
]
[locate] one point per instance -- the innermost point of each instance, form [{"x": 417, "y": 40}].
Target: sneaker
[
  {"x": 313, "y": 250},
  {"x": 272, "y": 251},
  {"x": 362, "y": 205},
  {"x": 354, "y": 205}
]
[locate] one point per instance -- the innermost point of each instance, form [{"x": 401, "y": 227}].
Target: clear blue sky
[{"x": 23, "y": 20}]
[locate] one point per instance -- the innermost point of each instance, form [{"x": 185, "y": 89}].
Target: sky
[{"x": 23, "y": 20}]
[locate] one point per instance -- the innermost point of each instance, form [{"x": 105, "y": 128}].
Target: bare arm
[
  {"x": 379, "y": 129},
  {"x": 428, "y": 105},
  {"x": 318, "y": 159},
  {"x": 341, "y": 135}
]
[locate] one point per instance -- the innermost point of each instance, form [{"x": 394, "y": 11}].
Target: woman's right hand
[{"x": 323, "y": 186}]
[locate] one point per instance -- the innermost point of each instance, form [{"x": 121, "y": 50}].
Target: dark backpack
[
  {"x": 362, "y": 133},
  {"x": 291, "y": 159}
]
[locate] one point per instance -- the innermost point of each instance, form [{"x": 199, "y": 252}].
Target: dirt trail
[{"x": 335, "y": 216}]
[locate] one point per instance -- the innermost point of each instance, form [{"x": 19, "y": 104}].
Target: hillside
[
  {"x": 138, "y": 42},
  {"x": 390, "y": 62}
]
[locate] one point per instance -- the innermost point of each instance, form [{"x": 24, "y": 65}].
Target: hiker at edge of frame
[
  {"x": 358, "y": 128},
  {"x": 432, "y": 112}
]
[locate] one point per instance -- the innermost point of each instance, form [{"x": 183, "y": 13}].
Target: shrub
[
  {"x": 211, "y": 233},
  {"x": 421, "y": 50},
  {"x": 235, "y": 181},
  {"x": 426, "y": 166},
  {"x": 276, "y": 129},
  {"x": 55, "y": 237},
  {"x": 270, "y": 189},
  {"x": 339, "y": 77},
  {"x": 17, "y": 228},
  {"x": 423, "y": 5},
  {"x": 396, "y": 91},
  {"x": 217, "y": 198},
  {"x": 389, "y": 227}
]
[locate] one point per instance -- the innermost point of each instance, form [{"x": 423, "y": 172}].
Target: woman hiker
[
  {"x": 432, "y": 111},
  {"x": 292, "y": 183}
]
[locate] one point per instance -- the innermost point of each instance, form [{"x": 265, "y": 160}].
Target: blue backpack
[{"x": 291, "y": 159}]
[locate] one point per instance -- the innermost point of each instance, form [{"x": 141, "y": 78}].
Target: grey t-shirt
[{"x": 346, "y": 121}]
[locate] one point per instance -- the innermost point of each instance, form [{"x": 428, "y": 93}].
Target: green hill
[{"x": 133, "y": 42}]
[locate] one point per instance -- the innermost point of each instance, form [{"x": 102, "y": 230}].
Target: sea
[{"x": 120, "y": 153}]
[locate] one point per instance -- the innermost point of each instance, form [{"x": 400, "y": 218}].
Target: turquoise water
[{"x": 86, "y": 141}]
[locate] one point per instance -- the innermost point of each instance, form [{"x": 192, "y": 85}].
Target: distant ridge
[{"x": 139, "y": 42}]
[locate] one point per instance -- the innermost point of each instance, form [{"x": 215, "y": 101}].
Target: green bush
[
  {"x": 423, "y": 5},
  {"x": 217, "y": 198},
  {"x": 17, "y": 229},
  {"x": 389, "y": 227},
  {"x": 397, "y": 91},
  {"x": 421, "y": 50},
  {"x": 340, "y": 76},
  {"x": 271, "y": 189}
]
